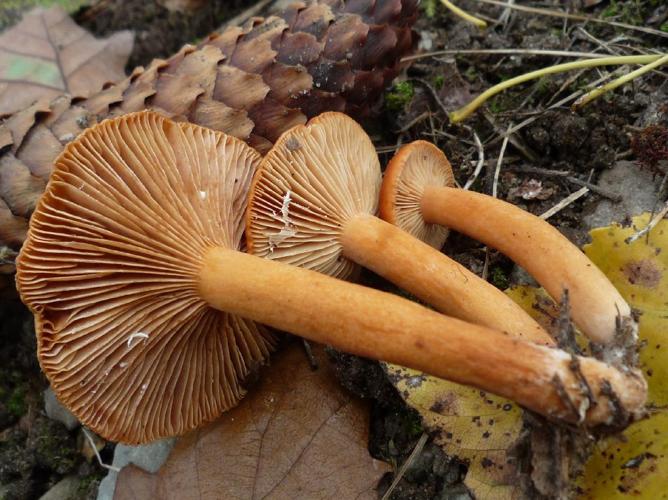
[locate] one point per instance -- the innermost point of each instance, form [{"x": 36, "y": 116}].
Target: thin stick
[
  {"x": 97, "y": 453},
  {"x": 575, "y": 17},
  {"x": 404, "y": 467},
  {"x": 652, "y": 224},
  {"x": 564, "y": 203},
  {"x": 519, "y": 52},
  {"x": 465, "y": 111},
  {"x": 481, "y": 161},
  {"x": 463, "y": 14},
  {"x": 597, "y": 92},
  {"x": 499, "y": 162}
]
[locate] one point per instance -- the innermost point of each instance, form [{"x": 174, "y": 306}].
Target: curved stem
[
  {"x": 435, "y": 278},
  {"x": 463, "y": 14},
  {"x": 379, "y": 325},
  {"x": 539, "y": 248},
  {"x": 463, "y": 112},
  {"x": 618, "y": 82}
]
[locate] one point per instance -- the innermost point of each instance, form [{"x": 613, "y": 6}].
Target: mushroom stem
[
  {"x": 538, "y": 247},
  {"x": 379, "y": 325},
  {"x": 434, "y": 278}
]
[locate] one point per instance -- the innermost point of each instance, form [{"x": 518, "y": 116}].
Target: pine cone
[{"x": 253, "y": 82}]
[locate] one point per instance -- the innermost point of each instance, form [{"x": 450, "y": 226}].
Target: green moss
[
  {"x": 470, "y": 74},
  {"x": 664, "y": 27},
  {"x": 629, "y": 12},
  {"x": 499, "y": 278},
  {"x": 401, "y": 94},
  {"x": 429, "y": 7},
  {"x": 438, "y": 82},
  {"x": 16, "y": 402}
]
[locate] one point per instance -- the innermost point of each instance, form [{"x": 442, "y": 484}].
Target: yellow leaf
[
  {"x": 633, "y": 465},
  {"x": 636, "y": 464},
  {"x": 475, "y": 426}
]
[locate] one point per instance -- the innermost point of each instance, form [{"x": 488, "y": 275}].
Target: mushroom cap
[
  {"x": 414, "y": 167},
  {"x": 315, "y": 178},
  {"x": 110, "y": 270}
]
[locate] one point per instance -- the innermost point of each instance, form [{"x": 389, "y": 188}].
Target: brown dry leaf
[
  {"x": 297, "y": 434},
  {"x": 47, "y": 54}
]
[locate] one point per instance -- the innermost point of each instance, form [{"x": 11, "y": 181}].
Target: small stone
[
  {"x": 638, "y": 188},
  {"x": 56, "y": 411},
  {"x": 149, "y": 457},
  {"x": 66, "y": 489}
]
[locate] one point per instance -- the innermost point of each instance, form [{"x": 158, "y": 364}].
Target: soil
[{"x": 36, "y": 452}]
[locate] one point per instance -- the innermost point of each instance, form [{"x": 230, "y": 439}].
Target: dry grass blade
[
  {"x": 465, "y": 111},
  {"x": 512, "y": 52},
  {"x": 573, "y": 17},
  {"x": 599, "y": 91}
]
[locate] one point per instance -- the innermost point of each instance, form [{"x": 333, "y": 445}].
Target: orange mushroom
[
  {"x": 132, "y": 270},
  {"x": 313, "y": 204},
  {"x": 417, "y": 195}
]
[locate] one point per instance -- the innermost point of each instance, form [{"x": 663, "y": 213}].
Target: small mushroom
[
  {"x": 417, "y": 195},
  {"x": 313, "y": 204},
  {"x": 132, "y": 271}
]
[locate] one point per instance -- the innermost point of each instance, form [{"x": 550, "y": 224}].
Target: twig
[
  {"x": 514, "y": 139},
  {"x": 574, "y": 17},
  {"x": 433, "y": 93},
  {"x": 606, "y": 193},
  {"x": 404, "y": 467},
  {"x": 652, "y": 224},
  {"x": 413, "y": 122},
  {"x": 499, "y": 162},
  {"x": 564, "y": 203},
  {"x": 481, "y": 161},
  {"x": 97, "y": 453}
]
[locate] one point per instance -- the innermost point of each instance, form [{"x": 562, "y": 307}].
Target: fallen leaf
[
  {"x": 47, "y": 54},
  {"x": 635, "y": 464},
  {"x": 12, "y": 10},
  {"x": 470, "y": 424},
  {"x": 297, "y": 434}
]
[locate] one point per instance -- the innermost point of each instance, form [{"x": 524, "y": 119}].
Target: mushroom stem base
[{"x": 379, "y": 325}]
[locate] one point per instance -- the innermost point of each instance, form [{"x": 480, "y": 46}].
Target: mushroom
[
  {"x": 313, "y": 204},
  {"x": 417, "y": 195},
  {"x": 144, "y": 307}
]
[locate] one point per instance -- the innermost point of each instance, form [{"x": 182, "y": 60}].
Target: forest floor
[{"x": 552, "y": 153}]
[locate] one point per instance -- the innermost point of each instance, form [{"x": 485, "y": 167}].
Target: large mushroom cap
[
  {"x": 315, "y": 178},
  {"x": 110, "y": 271},
  {"x": 414, "y": 167}
]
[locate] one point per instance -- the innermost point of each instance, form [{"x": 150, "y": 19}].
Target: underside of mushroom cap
[
  {"x": 110, "y": 271},
  {"x": 315, "y": 178},
  {"x": 414, "y": 167}
]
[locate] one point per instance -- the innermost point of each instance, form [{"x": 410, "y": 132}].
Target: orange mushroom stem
[
  {"x": 313, "y": 204},
  {"x": 145, "y": 309},
  {"x": 414, "y": 194}
]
